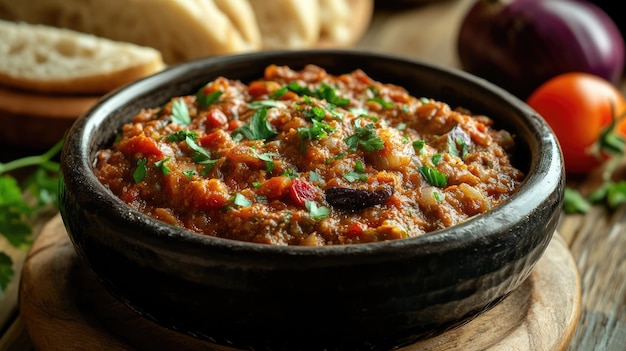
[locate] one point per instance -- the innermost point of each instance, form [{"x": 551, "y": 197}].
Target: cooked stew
[{"x": 304, "y": 157}]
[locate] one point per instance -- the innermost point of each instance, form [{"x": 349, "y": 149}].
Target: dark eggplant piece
[{"x": 357, "y": 199}]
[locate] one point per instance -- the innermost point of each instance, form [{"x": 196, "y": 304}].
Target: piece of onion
[{"x": 520, "y": 44}]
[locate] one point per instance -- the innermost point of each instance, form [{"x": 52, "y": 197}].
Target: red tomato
[
  {"x": 301, "y": 191},
  {"x": 579, "y": 107}
]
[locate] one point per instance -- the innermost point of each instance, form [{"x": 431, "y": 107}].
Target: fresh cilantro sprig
[
  {"x": 324, "y": 92},
  {"x": 357, "y": 174},
  {"x": 433, "y": 176},
  {"x": 317, "y": 212},
  {"x": 205, "y": 100},
  {"x": 257, "y": 129},
  {"x": 180, "y": 113},
  {"x": 16, "y": 212},
  {"x": 364, "y": 137}
]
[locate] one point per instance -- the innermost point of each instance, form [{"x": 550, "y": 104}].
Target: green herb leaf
[
  {"x": 317, "y": 212},
  {"x": 364, "y": 137},
  {"x": 241, "y": 201},
  {"x": 140, "y": 172},
  {"x": 433, "y": 176},
  {"x": 279, "y": 93},
  {"x": 314, "y": 177},
  {"x": 268, "y": 158},
  {"x": 162, "y": 166},
  {"x": 258, "y": 128},
  {"x": 180, "y": 113},
  {"x": 357, "y": 174},
  {"x": 182, "y": 135},
  {"x": 205, "y": 100},
  {"x": 436, "y": 158},
  {"x": 383, "y": 103},
  {"x": 329, "y": 94},
  {"x": 189, "y": 173},
  {"x": 256, "y": 105},
  {"x": 574, "y": 202}
]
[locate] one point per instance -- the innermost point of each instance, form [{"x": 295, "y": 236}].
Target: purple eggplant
[{"x": 520, "y": 44}]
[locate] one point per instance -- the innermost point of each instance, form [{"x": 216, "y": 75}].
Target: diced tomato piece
[
  {"x": 271, "y": 72},
  {"x": 258, "y": 88},
  {"x": 215, "y": 118},
  {"x": 275, "y": 187},
  {"x": 140, "y": 145},
  {"x": 234, "y": 124},
  {"x": 301, "y": 191},
  {"x": 290, "y": 95},
  {"x": 207, "y": 195},
  {"x": 356, "y": 229}
]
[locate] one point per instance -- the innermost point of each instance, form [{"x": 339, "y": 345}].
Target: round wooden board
[{"x": 64, "y": 307}]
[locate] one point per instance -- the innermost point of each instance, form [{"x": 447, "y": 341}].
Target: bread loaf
[
  {"x": 50, "y": 76},
  {"x": 180, "y": 29},
  {"x": 188, "y": 29},
  {"x": 53, "y": 60},
  {"x": 292, "y": 24}
]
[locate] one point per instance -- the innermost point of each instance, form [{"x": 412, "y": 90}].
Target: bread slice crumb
[{"x": 61, "y": 61}]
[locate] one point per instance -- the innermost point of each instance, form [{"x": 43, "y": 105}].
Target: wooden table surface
[{"x": 596, "y": 240}]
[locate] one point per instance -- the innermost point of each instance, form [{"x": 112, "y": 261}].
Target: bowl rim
[{"x": 545, "y": 169}]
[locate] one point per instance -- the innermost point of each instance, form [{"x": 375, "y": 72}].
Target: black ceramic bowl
[{"x": 365, "y": 296}]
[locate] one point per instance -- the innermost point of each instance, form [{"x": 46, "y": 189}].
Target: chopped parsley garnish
[
  {"x": 329, "y": 94},
  {"x": 317, "y": 212},
  {"x": 382, "y": 102},
  {"x": 291, "y": 174},
  {"x": 241, "y": 201},
  {"x": 357, "y": 174},
  {"x": 279, "y": 93},
  {"x": 204, "y": 100},
  {"x": 436, "y": 158},
  {"x": 268, "y": 158},
  {"x": 256, "y": 105},
  {"x": 201, "y": 156},
  {"x": 182, "y": 135},
  {"x": 140, "y": 172},
  {"x": 318, "y": 131},
  {"x": 257, "y": 129},
  {"x": 364, "y": 137},
  {"x": 419, "y": 145},
  {"x": 433, "y": 176},
  {"x": 324, "y": 92},
  {"x": 336, "y": 157},
  {"x": 314, "y": 177},
  {"x": 189, "y": 173},
  {"x": 180, "y": 112},
  {"x": 162, "y": 166},
  {"x": 457, "y": 146},
  {"x": 314, "y": 113}
]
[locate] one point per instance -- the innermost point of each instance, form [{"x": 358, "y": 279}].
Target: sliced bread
[
  {"x": 53, "y": 60},
  {"x": 181, "y": 29}
]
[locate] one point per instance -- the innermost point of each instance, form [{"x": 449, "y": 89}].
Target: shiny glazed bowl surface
[{"x": 262, "y": 297}]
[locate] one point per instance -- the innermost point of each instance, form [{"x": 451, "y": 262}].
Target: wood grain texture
[{"x": 64, "y": 307}]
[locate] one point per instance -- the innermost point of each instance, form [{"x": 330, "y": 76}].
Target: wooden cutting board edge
[{"x": 63, "y": 306}]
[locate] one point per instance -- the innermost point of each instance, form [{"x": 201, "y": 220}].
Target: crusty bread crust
[
  {"x": 188, "y": 29},
  {"x": 292, "y": 24},
  {"x": 60, "y": 61},
  {"x": 180, "y": 29}
]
